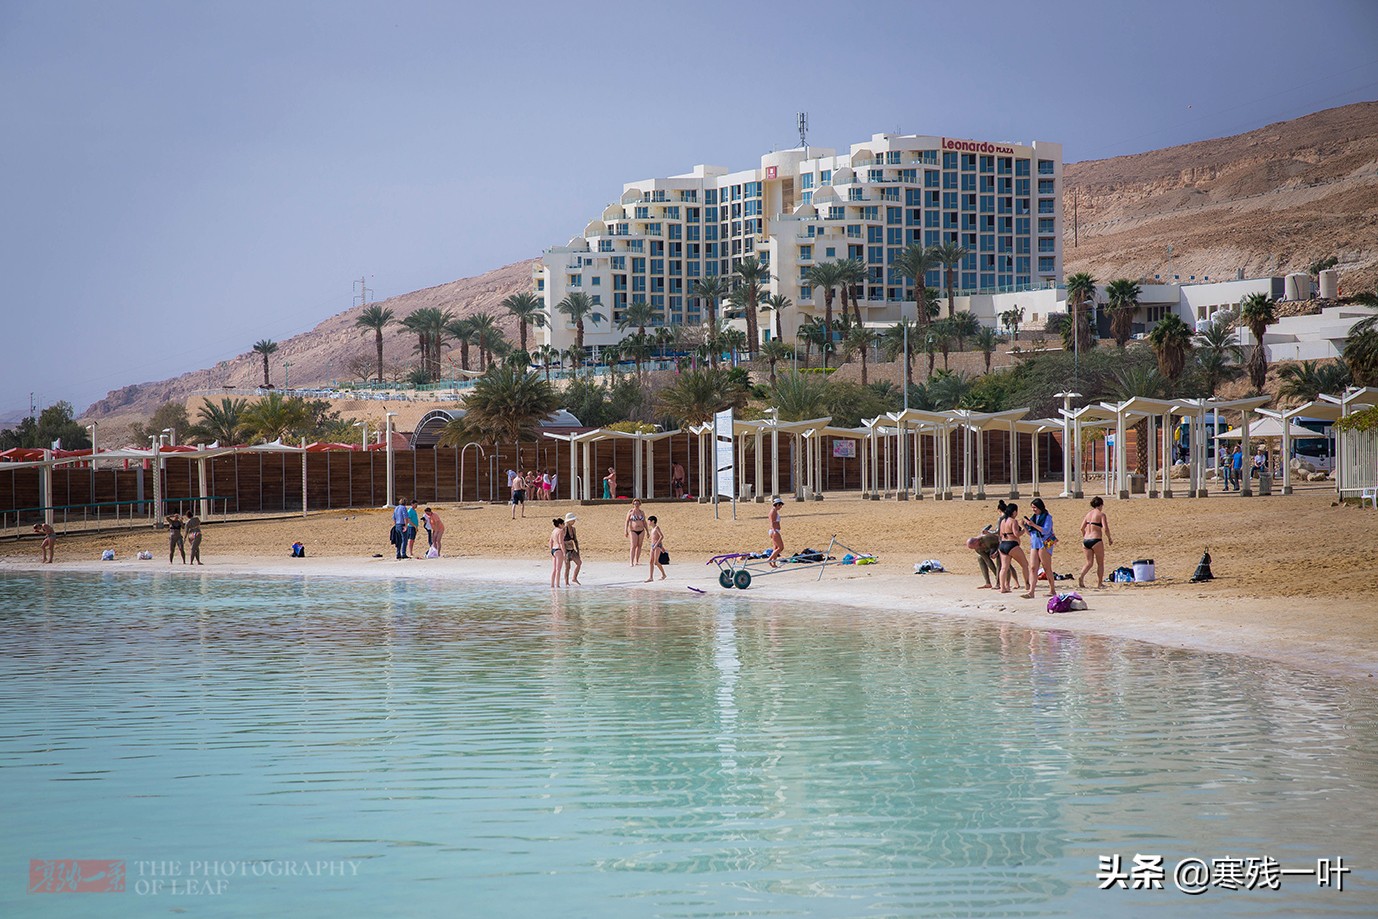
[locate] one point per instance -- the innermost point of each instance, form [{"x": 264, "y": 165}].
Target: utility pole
[
  {"x": 362, "y": 295},
  {"x": 1074, "y": 218}
]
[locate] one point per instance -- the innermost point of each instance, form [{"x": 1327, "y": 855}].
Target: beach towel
[
  {"x": 1065, "y": 603},
  {"x": 432, "y": 552}
]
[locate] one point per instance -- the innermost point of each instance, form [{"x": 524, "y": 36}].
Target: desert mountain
[
  {"x": 1270, "y": 201},
  {"x": 331, "y": 349}
]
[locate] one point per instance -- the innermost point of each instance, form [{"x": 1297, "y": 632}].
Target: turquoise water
[{"x": 462, "y": 752}]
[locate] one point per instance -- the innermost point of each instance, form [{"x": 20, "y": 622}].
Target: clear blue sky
[{"x": 178, "y": 180}]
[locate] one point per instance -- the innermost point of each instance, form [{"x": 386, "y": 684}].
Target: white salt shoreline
[{"x": 1163, "y": 617}]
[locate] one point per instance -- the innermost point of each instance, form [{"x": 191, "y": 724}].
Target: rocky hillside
[
  {"x": 1269, "y": 202},
  {"x": 328, "y": 351}
]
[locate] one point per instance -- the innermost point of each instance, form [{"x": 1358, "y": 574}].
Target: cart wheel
[
  {"x": 742, "y": 579},
  {"x": 725, "y": 578}
]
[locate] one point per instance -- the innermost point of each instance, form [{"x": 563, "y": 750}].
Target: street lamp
[
  {"x": 92, "y": 428},
  {"x": 286, "y": 374},
  {"x": 171, "y": 437},
  {"x": 363, "y": 437},
  {"x": 388, "y": 416}
]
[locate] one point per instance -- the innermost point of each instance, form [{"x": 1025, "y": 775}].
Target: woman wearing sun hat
[{"x": 572, "y": 548}]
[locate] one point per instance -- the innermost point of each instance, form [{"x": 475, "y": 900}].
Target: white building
[{"x": 800, "y": 207}]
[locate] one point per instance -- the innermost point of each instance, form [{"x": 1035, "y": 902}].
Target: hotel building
[{"x": 801, "y": 207}]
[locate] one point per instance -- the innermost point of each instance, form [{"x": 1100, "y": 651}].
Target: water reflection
[{"x": 647, "y": 754}]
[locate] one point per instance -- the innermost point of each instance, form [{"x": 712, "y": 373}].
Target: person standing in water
[
  {"x": 657, "y": 547},
  {"x": 557, "y": 551},
  {"x": 777, "y": 541},
  {"x": 634, "y": 528},
  {"x": 1095, "y": 535},
  {"x": 572, "y": 558}
]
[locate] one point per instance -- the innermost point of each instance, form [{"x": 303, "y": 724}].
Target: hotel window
[
  {"x": 657, "y": 247},
  {"x": 1045, "y": 167},
  {"x": 968, "y": 182},
  {"x": 987, "y": 204},
  {"x": 1021, "y": 167},
  {"x": 825, "y": 177},
  {"x": 638, "y": 266},
  {"x": 1047, "y": 206},
  {"x": 710, "y": 196},
  {"x": 575, "y": 281},
  {"x": 805, "y": 253},
  {"x": 892, "y": 157},
  {"x": 1045, "y": 225},
  {"x": 1045, "y": 186},
  {"x": 870, "y": 213},
  {"x": 1046, "y": 244},
  {"x": 987, "y": 164},
  {"x": 889, "y": 194},
  {"x": 854, "y": 231},
  {"x": 619, "y": 263},
  {"x": 605, "y": 245},
  {"x": 836, "y": 213},
  {"x": 932, "y": 179},
  {"x": 595, "y": 281},
  {"x": 806, "y": 180},
  {"x": 806, "y": 197},
  {"x": 832, "y": 253},
  {"x": 894, "y": 216},
  {"x": 988, "y": 184},
  {"x": 1004, "y": 165},
  {"x": 875, "y": 175},
  {"x": 909, "y": 176},
  {"x": 676, "y": 231},
  {"x": 875, "y": 234},
  {"x": 619, "y": 282},
  {"x": 894, "y": 236},
  {"x": 968, "y": 162},
  {"x": 854, "y": 194},
  {"x": 641, "y": 213},
  {"x": 949, "y": 160},
  {"x": 1045, "y": 264},
  {"x": 950, "y": 180},
  {"x": 805, "y": 292},
  {"x": 657, "y": 266},
  {"x": 672, "y": 213}
]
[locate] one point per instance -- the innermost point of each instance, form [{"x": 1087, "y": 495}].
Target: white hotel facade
[{"x": 800, "y": 207}]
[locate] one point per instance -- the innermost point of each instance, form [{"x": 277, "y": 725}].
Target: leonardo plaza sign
[{"x": 975, "y": 146}]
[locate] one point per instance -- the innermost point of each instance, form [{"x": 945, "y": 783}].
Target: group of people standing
[
  {"x": 643, "y": 533},
  {"x": 1231, "y": 466},
  {"x": 407, "y": 523},
  {"x": 533, "y": 486},
  {"x": 999, "y": 548}
]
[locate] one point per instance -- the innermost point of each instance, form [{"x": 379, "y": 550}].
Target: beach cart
[{"x": 739, "y": 569}]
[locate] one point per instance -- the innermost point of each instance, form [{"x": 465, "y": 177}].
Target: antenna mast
[{"x": 803, "y": 122}]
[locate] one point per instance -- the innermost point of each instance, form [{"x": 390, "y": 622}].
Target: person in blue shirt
[
  {"x": 399, "y": 528},
  {"x": 413, "y": 526},
  {"x": 1237, "y": 466}
]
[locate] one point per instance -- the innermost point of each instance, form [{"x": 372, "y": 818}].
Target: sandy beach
[{"x": 1295, "y": 576}]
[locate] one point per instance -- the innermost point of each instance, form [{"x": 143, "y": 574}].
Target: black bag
[{"x": 664, "y": 557}]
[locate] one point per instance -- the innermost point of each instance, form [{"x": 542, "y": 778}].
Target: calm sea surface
[{"x": 331, "y": 747}]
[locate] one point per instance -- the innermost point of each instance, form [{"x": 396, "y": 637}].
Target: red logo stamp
[{"x": 76, "y": 875}]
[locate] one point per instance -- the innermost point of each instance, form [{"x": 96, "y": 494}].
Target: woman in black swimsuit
[
  {"x": 1095, "y": 526},
  {"x": 175, "y": 543},
  {"x": 1010, "y": 552}
]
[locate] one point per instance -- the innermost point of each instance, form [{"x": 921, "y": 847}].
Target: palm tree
[
  {"x": 778, "y": 303},
  {"x": 987, "y": 341},
  {"x": 947, "y": 390},
  {"x": 799, "y": 396},
  {"x": 859, "y": 340},
  {"x": 429, "y": 325},
  {"x": 825, "y": 276},
  {"x": 697, "y": 395},
  {"x": 1304, "y": 381},
  {"x": 915, "y": 263},
  {"x": 1122, "y": 295},
  {"x": 950, "y": 254},
  {"x": 507, "y": 404},
  {"x": 223, "y": 423},
  {"x": 265, "y": 346},
  {"x": 964, "y": 325},
  {"x": 275, "y": 416},
  {"x": 487, "y": 336},
  {"x": 1078, "y": 333},
  {"x": 547, "y": 355},
  {"x": 930, "y": 348},
  {"x": 944, "y": 335},
  {"x": 1012, "y": 319},
  {"x": 575, "y": 357},
  {"x": 710, "y": 290},
  {"x": 899, "y": 338},
  {"x": 1257, "y": 312},
  {"x": 1218, "y": 354},
  {"x": 376, "y": 318},
  {"x": 752, "y": 277},
  {"x": 1171, "y": 343},
  {"x": 528, "y": 309},
  {"x": 811, "y": 333},
  {"x": 462, "y": 331},
  {"x": 638, "y": 314},
  {"x": 1361, "y": 345},
  {"x": 1140, "y": 380},
  {"x": 775, "y": 351},
  {"x": 639, "y": 348},
  {"x": 578, "y": 307},
  {"x": 851, "y": 273}
]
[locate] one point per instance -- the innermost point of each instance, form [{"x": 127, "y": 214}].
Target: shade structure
[{"x": 1268, "y": 428}]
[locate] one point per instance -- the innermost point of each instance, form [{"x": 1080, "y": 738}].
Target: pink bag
[{"x": 1065, "y": 603}]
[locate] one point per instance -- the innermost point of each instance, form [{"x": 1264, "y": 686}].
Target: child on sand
[
  {"x": 657, "y": 540},
  {"x": 557, "y": 550},
  {"x": 49, "y": 546}
]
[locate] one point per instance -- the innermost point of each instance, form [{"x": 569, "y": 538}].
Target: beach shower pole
[
  {"x": 92, "y": 428},
  {"x": 388, "y": 416},
  {"x": 363, "y": 433}
]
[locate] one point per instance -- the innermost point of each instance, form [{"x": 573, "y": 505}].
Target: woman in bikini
[
  {"x": 610, "y": 484},
  {"x": 1010, "y": 550},
  {"x": 572, "y": 549},
  {"x": 777, "y": 542},
  {"x": 635, "y": 529},
  {"x": 1095, "y": 527},
  {"x": 557, "y": 551},
  {"x": 1041, "y": 541}
]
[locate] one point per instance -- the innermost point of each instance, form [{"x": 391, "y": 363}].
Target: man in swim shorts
[{"x": 518, "y": 494}]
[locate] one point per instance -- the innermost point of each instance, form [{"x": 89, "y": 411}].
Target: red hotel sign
[
  {"x": 975, "y": 146},
  {"x": 772, "y": 171}
]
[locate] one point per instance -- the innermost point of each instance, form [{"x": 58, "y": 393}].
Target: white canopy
[{"x": 1265, "y": 428}]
